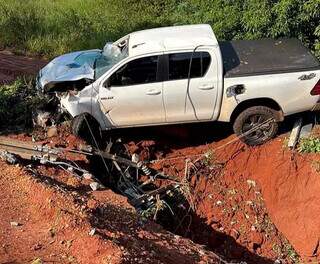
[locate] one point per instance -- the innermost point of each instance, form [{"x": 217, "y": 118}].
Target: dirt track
[
  {"x": 231, "y": 190},
  {"x": 12, "y": 66}
]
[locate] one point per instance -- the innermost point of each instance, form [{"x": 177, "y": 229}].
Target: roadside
[{"x": 12, "y": 66}]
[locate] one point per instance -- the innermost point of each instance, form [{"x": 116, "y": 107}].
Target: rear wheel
[{"x": 256, "y": 125}]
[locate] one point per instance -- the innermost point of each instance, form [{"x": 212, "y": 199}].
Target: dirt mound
[
  {"x": 229, "y": 214},
  {"x": 233, "y": 200},
  {"x": 290, "y": 186}
]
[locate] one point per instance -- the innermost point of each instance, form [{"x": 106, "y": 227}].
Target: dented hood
[{"x": 69, "y": 67}]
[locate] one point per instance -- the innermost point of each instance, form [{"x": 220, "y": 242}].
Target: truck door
[
  {"x": 192, "y": 99},
  {"x": 133, "y": 94}
]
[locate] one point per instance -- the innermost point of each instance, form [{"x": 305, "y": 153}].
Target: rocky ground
[{"x": 258, "y": 205}]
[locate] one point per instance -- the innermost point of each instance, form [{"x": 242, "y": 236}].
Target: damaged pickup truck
[{"x": 182, "y": 74}]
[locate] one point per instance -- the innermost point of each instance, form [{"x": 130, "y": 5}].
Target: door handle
[
  {"x": 153, "y": 92},
  {"x": 206, "y": 87}
]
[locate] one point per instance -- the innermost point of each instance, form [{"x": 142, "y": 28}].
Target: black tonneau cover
[{"x": 265, "y": 56}]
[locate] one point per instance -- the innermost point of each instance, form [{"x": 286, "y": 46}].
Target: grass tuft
[{"x": 309, "y": 145}]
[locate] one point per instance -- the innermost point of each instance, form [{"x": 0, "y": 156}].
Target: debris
[
  {"x": 41, "y": 118},
  {"x": 95, "y": 186},
  {"x": 52, "y": 132},
  {"x": 8, "y": 157},
  {"x": 37, "y": 261},
  {"x": 92, "y": 232},
  {"x": 37, "y": 246},
  {"x": 135, "y": 158},
  {"x": 251, "y": 183},
  {"x": 87, "y": 176},
  {"x": 142, "y": 193},
  {"x": 15, "y": 224},
  {"x": 294, "y": 136},
  {"x": 306, "y": 130}
]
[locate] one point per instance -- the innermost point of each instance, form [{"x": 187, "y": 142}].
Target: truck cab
[{"x": 165, "y": 79}]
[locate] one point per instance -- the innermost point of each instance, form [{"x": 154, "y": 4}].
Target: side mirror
[{"x": 107, "y": 84}]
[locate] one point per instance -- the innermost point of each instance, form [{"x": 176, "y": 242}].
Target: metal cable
[
  {"x": 96, "y": 145},
  {"x": 222, "y": 146}
]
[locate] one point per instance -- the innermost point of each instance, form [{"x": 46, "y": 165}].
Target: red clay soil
[
  {"x": 290, "y": 186},
  {"x": 231, "y": 199},
  {"x": 51, "y": 227},
  {"x": 55, "y": 217}
]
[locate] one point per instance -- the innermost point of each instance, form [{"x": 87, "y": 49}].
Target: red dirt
[
  {"x": 230, "y": 199},
  {"x": 52, "y": 228},
  {"x": 55, "y": 218},
  {"x": 12, "y": 66}
]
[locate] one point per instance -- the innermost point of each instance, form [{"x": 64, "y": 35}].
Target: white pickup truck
[{"x": 182, "y": 74}]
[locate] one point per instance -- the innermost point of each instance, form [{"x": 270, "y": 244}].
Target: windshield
[
  {"x": 86, "y": 58},
  {"x": 110, "y": 56}
]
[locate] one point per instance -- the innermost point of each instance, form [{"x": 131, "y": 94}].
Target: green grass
[
  {"x": 309, "y": 145},
  {"x": 52, "y": 27},
  {"x": 17, "y": 102}
]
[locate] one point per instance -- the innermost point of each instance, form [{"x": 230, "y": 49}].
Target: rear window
[{"x": 179, "y": 64}]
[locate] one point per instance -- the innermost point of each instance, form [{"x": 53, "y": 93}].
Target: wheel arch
[
  {"x": 268, "y": 102},
  {"x": 87, "y": 115}
]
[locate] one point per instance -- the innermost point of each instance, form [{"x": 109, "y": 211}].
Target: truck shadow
[{"x": 163, "y": 139}]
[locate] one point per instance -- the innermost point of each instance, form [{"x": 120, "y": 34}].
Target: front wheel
[
  {"x": 87, "y": 128},
  {"x": 256, "y": 125}
]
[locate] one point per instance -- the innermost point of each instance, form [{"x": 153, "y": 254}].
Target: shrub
[{"x": 17, "y": 102}]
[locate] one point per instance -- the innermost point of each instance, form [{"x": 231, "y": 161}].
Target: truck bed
[{"x": 265, "y": 56}]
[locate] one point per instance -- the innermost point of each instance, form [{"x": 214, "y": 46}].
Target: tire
[
  {"x": 81, "y": 126},
  {"x": 250, "y": 119}
]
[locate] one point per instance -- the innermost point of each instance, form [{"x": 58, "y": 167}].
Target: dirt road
[{"x": 12, "y": 66}]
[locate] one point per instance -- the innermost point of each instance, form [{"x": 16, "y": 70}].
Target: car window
[
  {"x": 179, "y": 64},
  {"x": 139, "y": 71}
]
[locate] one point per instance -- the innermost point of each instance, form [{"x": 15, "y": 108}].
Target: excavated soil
[{"x": 246, "y": 204}]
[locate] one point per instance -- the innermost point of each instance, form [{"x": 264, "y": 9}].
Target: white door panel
[
  {"x": 196, "y": 102},
  {"x": 134, "y": 94},
  {"x": 133, "y": 105}
]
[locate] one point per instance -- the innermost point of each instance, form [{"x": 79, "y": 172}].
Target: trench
[{"x": 190, "y": 215}]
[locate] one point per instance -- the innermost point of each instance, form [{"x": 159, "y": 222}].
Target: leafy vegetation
[
  {"x": 49, "y": 28},
  {"x": 310, "y": 145},
  {"x": 17, "y": 101}
]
